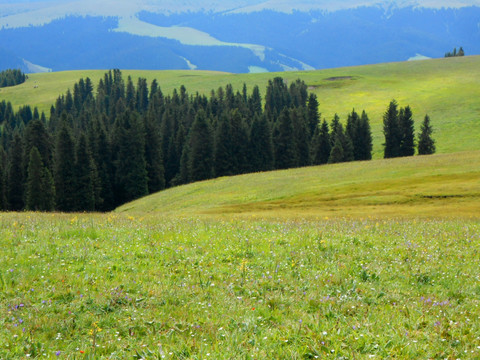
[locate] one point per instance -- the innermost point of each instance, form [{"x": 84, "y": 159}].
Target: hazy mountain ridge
[{"x": 243, "y": 36}]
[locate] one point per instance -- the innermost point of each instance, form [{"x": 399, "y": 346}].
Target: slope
[
  {"x": 446, "y": 89},
  {"x": 438, "y": 185}
]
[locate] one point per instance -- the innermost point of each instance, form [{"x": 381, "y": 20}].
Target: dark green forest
[
  {"x": 99, "y": 150},
  {"x": 11, "y": 78}
]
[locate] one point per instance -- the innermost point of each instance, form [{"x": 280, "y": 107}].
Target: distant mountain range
[{"x": 233, "y": 36}]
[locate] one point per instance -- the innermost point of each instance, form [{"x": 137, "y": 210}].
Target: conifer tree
[
  {"x": 64, "y": 170},
  {"x": 255, "y": 102},
  {"x": 284, "y": 142},
  {"x": 153, "y": 156},
  {"x": 406, "y": 124},
  {"x": 223, "y": 148},
  {"x": 36, "y": 135},
  {"x": 201, "y": 149},
  {"x": 84, "y": 177},
  {"x": 261, "y": 145},
  {"x": 238, "y": 143},
  {"x": 131, "y": 175},
  {"x": 426, "y": 144},
  {"x": 301, "y": 133},
  {"x": 16, "y": 175},
  {"x": 313, "y": 115},
  {"x": 336, "y": 155},
  {"x": 364, "y": 134},
  {"x": 321, "y": 145},
  {"x": 3, "y": 187},
  {"x": 391, "y": 130},
  {"x": 39, "y": 186}
]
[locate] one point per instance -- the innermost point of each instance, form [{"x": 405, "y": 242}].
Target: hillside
[
  {"x": 446, "y": 89},
  {"x": 438, "y": 185}
]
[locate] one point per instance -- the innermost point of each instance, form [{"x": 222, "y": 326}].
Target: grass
[
  {"x": 438, "y": 185},
  {"x": 117, "y": 286},
  {"x": 364, "y": 260},
  {"x": 446, "y": 89}
]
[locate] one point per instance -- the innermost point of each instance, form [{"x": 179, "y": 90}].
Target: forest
[
  {"x": 99, "y": 150},
  {"x": 12, "y": 77}
]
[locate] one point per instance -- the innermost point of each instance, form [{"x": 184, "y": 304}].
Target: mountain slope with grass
[
  {"x": 446, "y": 89},
  {"x": 425, "y": 186}
]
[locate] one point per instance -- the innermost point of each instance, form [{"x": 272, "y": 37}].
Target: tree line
[
  {"x": 455, "y": 53},
  {"x": 399, "y": 132},
  {"x": 100, "y": 150},
  {"x": 12, "y": 77}
]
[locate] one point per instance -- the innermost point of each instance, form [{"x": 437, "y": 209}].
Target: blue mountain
[{"x": 240, "y": 36}]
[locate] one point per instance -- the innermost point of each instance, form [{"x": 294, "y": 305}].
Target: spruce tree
[
  {"x": 3, "y": 187},
  {"x": 302, "y": 137},
  {"x": 313, "y": 115},
  {"x": 84, "y": 177},
  {"x": 364, "y": 143},
  {"x": 321, "y": 145},
  {"x": 64, "y": 170},
  {"x": 391, "y": 130},
  {"x": 284, "y": 142},
  {"x": 426, "y": 144},
  {"x": 131, "y": 175},
  {"x": 16, "y": 175},
  {"x": 238, "y": 143},
  {"x": 34, "y": 189},
  {"x": 261, "y": 145},
  {"x": 39, "y": 186},
  {"x": 154, "y": 156},
  {"x": 223, "y": 148},
  {"x": 407, "y": 130},
  {"x": 201, "y": 149}
]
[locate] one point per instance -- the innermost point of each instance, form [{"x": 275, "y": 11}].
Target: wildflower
[{"x": 58, "y": 353}]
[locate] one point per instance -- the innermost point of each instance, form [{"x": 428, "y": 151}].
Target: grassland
[
  {"x": 447, "y": 89},
  {"x": 364, "y": 260},
  {"x": 438, "y": 185},
  {"x": 117, "y": 286}
]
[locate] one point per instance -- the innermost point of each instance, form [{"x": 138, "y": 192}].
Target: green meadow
[
  {"x": 446, "y": 89},
  {"x": 362, "y": 260},
  {"x": 148, "y": 287},
  {"x": 421, "y": 186}
]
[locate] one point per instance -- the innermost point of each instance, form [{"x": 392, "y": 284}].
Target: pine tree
[
  {"x": 84, "y": 177},
  {"x": 336, "y": 155},
  {"x": 223, "y": 148},
  {"x": 261, "y": 145},
  {"x": 239, "y": 143},
  {"x": 321, "y": 145},
  {"x": 426, "y": 144},
  {"x": 342, "y": 149},
  {"x": 364, "y": 134},
  {"x": 131, "y": 173},
  {"x": 39, "y": 186},
  {"x": 391, "y": 130},
  {"x": 201, "y": 149},
  {"x": 154, "y": 156},
  {"x": 313, "y": 115},
  {"x": 302, "y": 137},
  {"x": 3, "y": 187},
  {"x": 64, "y": 170},
  {"x": 407, "y": 130},
  {"x": 15, "y": 175},
  {"x": 36, "y": 135},
  {"x": 284, "y": 142}
]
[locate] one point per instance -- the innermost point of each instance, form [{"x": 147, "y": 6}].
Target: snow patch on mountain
[{"x": 185, "y": 35}]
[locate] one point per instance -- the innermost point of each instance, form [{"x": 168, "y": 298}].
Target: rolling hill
[
  {"x": 421, "y": 186},
  {"x": 446, "y": 89}
]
